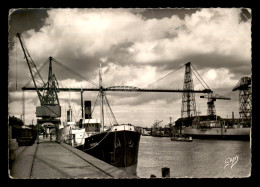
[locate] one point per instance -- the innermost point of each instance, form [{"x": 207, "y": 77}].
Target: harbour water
[{"x": 196, "y": 159}]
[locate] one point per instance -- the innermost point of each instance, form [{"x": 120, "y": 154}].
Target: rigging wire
[
  {"x": 72, "y": 71},
  {"x": 111, "y": 110},
  {"x": 197, "y": 78},
  {"x": 59, "y": 66},
  {"x": 108, "y": 132},
  {"x": 152, "y": 84},
  {"x": 95, "y": 103},
  {"x": 200, "y": 77},
  {"x": 108, "y": 115},
  {"x": 37, "y": 74}
]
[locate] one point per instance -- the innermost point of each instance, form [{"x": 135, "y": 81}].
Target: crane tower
[
  {"x": 188, "y": 107},
  {"x": 245, "y": 99},
  {"x": 49, "y": 110},
  {"x": 212, "y": 97}
]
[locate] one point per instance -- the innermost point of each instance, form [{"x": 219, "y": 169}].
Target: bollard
[{"x": 166, "y": 172}]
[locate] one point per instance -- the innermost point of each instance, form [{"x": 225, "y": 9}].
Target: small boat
[{"x": 180, "y": 137}]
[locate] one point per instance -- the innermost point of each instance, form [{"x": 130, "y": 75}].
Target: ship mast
[
  {"x": 101, "y": 98},
  {"x": 82, "y": 108},
  {"x": 70, "y": 110}
]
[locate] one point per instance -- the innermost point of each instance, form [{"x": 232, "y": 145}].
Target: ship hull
[
  {"x": 218, "y": 133},
  {"x": 130, "y": 169},
  {"x": 118, "y": 148}
]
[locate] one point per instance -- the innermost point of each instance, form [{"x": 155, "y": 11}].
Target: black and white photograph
[{"x": 129, "y": 93}]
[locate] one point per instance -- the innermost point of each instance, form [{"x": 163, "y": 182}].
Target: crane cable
[
  {"x": 75, "y": 73},
  {"x": 199, "y": 76},
  {"x": 37, "y": 74},
  {"x": 153, "y": 84}
]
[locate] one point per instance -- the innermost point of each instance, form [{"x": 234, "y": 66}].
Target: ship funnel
[
  {"x": 69, "y": 115},
  {"x": 87, "y": 109}
]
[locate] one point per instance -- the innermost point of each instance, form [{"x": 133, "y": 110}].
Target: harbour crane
[
  {"x": 156, "y": 123},
  {"x": 156, "y": 127},
  {"x": 245, "y": 99},
  {"x": 49, "y": 110},
  {"x": 212, "y": 97}
]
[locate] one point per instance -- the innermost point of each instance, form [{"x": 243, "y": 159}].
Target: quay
[{"x": 51, "y": 160}]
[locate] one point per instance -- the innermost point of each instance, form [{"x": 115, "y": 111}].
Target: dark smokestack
[
  {"x": 87, "y": 109},
  {"x": 233, "y": 115},
  {"x": 69, "y": 114}
]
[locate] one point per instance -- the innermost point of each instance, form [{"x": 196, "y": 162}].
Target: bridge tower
[
  {"x": 188, "y": 108},
  {"x": 245, "y": 99}
]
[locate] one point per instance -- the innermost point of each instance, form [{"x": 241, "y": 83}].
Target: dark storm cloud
[
  {"x": 241, "y": 71},
  {"x": 159, "y": 13},
  {"x": 235, "y": 65},
  {"x": 86, "y": 66},
  {"x": 200, "y": 61},
  {"x": 237, "y": 68},
  {"x": 120, "y": 54},
  {"x": 21, "y": 20}
]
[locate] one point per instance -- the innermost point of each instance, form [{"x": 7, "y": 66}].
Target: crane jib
[{"x": 50, "y": 106}]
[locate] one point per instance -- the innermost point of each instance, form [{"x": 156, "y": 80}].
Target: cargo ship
[
  {"x": 115, "y": 144},
  {"x": 232, "y": 133},
  {"x": 213, "y": 127}
]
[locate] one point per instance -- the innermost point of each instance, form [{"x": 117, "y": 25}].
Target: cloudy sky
[{"x": 136, "y": 47}]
